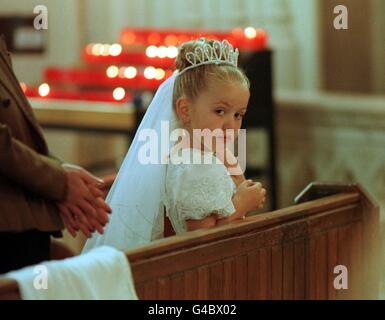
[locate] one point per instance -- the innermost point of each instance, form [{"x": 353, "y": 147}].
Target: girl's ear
[{"x": 182, "y": 109}]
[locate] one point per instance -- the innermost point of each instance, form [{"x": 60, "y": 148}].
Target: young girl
[
  {"x": 214, "y": 97},
  {"x": 207, "y": 92}
]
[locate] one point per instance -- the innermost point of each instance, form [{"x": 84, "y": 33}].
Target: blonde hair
[{"x": 193, "y": 81}]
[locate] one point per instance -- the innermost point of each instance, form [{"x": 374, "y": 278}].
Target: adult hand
[{"x": 83, "y": 207}]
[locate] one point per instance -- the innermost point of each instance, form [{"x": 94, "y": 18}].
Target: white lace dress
[{"x": 195, "y": 191}]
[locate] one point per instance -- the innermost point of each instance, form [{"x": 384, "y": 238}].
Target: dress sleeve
[{"x": 204, "y": 190}]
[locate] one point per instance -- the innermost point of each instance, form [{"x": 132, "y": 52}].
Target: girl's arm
[
  {"x": 249, "y": 196},
  {"x": 238, "y": 179},
  {"x": 205, "y": 223},
  {"x": 239, "y": 213},
  {"x": 234, "y": 168},
  {"x": 213, "y": 220}
]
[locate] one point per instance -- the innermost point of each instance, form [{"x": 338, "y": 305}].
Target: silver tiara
[{"x": 219, "y": 52}]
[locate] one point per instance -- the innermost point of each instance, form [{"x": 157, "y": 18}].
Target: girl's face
[{"x": 222, "y": 106}]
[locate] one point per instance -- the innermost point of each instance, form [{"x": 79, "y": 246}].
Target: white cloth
[
  {"x": 103, "y": 273},
  {"x": 194, "y": 191}
]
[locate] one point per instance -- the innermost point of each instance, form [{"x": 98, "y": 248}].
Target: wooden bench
[{"x": 289, "y": 253}]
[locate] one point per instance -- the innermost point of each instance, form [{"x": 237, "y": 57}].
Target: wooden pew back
[{"x": 286, "y": 254}]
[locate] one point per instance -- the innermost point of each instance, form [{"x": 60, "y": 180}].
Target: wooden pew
[
  {"x": 285, "y": 254},
  {"x": 289, "y": 253}
]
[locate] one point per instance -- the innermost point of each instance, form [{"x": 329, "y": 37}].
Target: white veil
[{"x": 136, "y": 195}]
